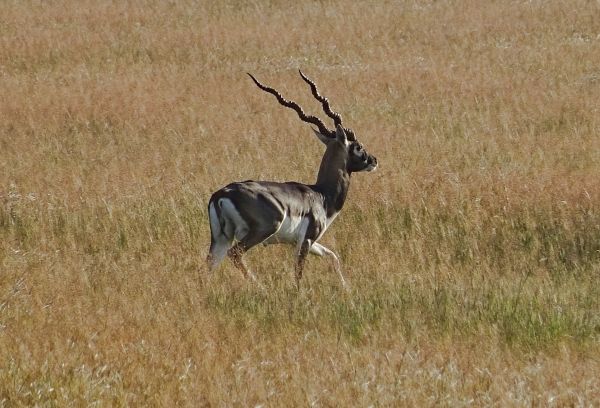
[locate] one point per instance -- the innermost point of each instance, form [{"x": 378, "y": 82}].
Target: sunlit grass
[{"x": 472, "y": 253}]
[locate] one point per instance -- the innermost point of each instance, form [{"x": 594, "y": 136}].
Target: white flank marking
[
  {"x": 215, "y": 225},
  {"x": 290, "y": 231},
  {"x": 231, "y": 214}
]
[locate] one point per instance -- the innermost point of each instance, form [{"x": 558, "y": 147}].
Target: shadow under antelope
[{"x": 254, "y": 212}]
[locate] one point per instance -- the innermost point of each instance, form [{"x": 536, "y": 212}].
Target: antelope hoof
[{"x": 346, "y": 286}]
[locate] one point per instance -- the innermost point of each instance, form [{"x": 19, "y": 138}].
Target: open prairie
[{"x": 473, "y": 253}]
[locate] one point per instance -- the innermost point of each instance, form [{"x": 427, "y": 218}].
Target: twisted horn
[
  {"x": 293, "y": 105},
  {"x": 350, "y": 134},
  {"x": 337, "y": 118}
]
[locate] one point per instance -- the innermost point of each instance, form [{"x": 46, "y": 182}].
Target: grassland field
[{"x": 473, "y": 253}]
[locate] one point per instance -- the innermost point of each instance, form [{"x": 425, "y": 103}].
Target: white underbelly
[{"x": 291, "y": 231}]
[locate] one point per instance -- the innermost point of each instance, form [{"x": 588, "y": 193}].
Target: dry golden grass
[{"x": 473, "y": 253}]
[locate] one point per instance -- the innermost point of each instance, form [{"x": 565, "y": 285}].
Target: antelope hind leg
[{"x": 251, "y": 239}]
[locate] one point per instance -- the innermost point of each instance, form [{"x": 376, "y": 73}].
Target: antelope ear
[
  {"x": 322, "y": 137},
  {"x": 340, "y": 135}
]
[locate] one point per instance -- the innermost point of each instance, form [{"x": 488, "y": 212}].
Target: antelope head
[{"x": 343, "y": 151}]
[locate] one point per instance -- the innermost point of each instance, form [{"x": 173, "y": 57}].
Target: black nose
[{"x": 373, "y": 160}]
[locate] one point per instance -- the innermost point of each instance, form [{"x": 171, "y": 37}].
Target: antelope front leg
[
  {"x": 322, "y": 250},
  {"x": 302, "y": 252}
]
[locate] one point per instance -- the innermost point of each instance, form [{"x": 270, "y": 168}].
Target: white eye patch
[{"x": 357, "y": 150}]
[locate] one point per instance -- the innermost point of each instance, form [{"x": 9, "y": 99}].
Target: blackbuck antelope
[{"x": 254, "y": 212}]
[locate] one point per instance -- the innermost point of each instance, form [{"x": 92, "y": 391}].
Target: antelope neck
[{"x": 333, "y": 182}]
